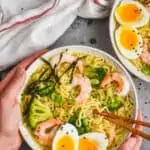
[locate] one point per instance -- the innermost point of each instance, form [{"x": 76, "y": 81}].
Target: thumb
[
  {"x": 10, "y": 92},
  {"x": 12, "y": 121},
  {"x": 139, "y": 141},
  {"x": 16, "y": 116},
  {"x": 128, "y": 144},
  {"x": 18, "y": 142}
]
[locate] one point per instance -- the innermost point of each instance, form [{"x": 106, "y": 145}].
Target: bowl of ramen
[
  {"x": 130, "y": 35},
  {"x": 63, "y": 89}
]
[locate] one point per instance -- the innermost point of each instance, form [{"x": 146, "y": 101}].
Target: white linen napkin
[{"x": 27, "y": 26}]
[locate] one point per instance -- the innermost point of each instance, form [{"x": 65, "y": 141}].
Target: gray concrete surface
[{"x": 95, "y": 33}]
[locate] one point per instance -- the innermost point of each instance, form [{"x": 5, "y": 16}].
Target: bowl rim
[
  {"x": 24, "y": 131},
  {"x": 128, "y": 65}
]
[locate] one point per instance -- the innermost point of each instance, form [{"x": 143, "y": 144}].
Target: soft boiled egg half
[
  {"x": 129, "y": 42},
  {"x": 93, "y": 141},
  {"x": 132, "y": 13},
  {"x": 66, "y": 138}
]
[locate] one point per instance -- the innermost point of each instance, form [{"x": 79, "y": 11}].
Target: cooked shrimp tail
[
  {"x": 45, "y": 131},
  {"x": 145, "y": 56},
  {"x": 85, "y": 86},
  {"x": 122, "y": 87}
]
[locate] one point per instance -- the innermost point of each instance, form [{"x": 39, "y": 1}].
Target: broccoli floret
[
  {"x": 116, "y": 104},
  {"x": 39, "y": 111}
]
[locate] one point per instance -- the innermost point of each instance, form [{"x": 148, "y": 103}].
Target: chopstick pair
[{"x": 123, "y": 122}]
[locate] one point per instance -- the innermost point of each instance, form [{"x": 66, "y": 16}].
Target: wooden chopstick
[
  {"x": 129, "y": 120},
  {"x": 122, "y": 121},
  {"x": 129, "y": 128}
]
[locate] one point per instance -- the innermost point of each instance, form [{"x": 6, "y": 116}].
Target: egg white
[
  {"x": 66, "y": 129},
  {"x": 129, "y": 54},
  {"x": 144, "y": 19},
  {"x": 99, "y": 138}
]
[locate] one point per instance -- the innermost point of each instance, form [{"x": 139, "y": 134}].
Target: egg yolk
[
  {"x": 87, "y": 144},
  {"x": 128, "y": 39},
  {"x": 65, "y": 143},
  {"x": 129, "y": 13}
]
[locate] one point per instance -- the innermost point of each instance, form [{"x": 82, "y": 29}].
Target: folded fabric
[{"x": 27, "y": 26}]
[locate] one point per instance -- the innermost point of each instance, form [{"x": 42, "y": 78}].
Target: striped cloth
[{"x": 30, "y": 25}]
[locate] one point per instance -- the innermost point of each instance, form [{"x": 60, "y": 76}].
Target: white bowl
[
  {"x": 89, "y": 50},
  {"x": 125, "y": 62}
]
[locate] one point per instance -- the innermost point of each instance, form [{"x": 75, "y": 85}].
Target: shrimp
[
  {"x": 68, "y": 59},
  {"x": 122, "y": 83},
  {"x": 85, "y": 86},
  {"x": 147, "y": 5},
  {"x": 45, "y": 131},
  {"x": 145, "y": 56}
]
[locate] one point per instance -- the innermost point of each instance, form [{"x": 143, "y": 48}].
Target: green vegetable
[
  {"x": 71, "y": 101},
  {"x": 96, "y": 75},
  {"x": 57, "y": 98},
  {"x": 101, "y": 72},
  {"x": 84, "y": 128},
  {"x": 45, "y": 88},
  {"x": 87, "y": 129},
  {"x": 95, "y": 82},
  {"x": 42, "y": 88},
  {"x": 73, "y": 119},
  {"x": 39, "y": 111},
  {"x": 46, "y": 91},
  {"x": 81, "y": 130},
  {"x": 85, "y": 122},
  {"x": 141, "y": 66},
  {"x": 116, "y": 104},
  {"x": 146, "y": 70},
  {"x": 26, "y": 101}
]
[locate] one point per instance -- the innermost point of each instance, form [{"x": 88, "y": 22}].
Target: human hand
[
  {"x": 9, "y": 108},
  {"x": 134, "y": 142}
]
